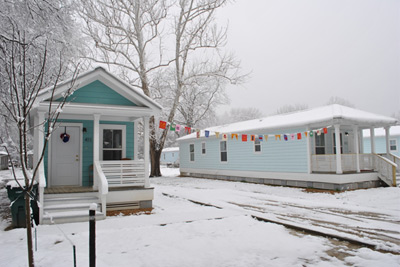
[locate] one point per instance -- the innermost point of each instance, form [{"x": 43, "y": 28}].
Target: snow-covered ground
[{"x": 180, "y": 232}]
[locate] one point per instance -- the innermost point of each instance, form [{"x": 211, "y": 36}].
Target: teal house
[
  {"x": 316, "y": 148},
  {"x": 170, "y": 156},
  {"x": 92, "y": 154}
]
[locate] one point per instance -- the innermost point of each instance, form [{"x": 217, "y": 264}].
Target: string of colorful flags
[{"x": 244, "y": 137}]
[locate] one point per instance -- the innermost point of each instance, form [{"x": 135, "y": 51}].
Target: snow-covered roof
[
  {"x": 393, "y": 131},
  {"x": 315, "y": 117},
  {"x": 170, "y": 149}
]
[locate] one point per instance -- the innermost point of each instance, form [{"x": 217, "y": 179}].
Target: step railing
[
  {"x": 396, "y": 160},
  {"x": 386, "y": 170},
  {"x": 102, "y": 185},
  {"x": 124, "y": 172}
]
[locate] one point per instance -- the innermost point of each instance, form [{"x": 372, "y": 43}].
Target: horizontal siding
[
  {"x": 98, "y": 93},
  {"x": 276, "y": 156}
]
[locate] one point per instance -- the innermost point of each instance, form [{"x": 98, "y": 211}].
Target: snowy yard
[{"x": 180, "y": 232}]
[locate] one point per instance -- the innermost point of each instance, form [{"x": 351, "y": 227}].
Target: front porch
[{"x": 121, "y": 185}]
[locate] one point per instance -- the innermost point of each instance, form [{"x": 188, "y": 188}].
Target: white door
[{"x": 65, "y": 156}]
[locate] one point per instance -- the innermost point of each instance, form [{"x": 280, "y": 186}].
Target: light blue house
[
  {"x": 380, "y": 141},
  {"x": 316, "y": 148},
  {"x": 92, "y": 155},
  {"x": 170, "y": 156}
]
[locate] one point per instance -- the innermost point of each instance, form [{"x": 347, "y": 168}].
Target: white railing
[
  {"x": 396, "y": 160},
  {"x": 102, "y": 185},
  {"x": 327, "y": 163},
  {"x": 386, "y": 170},
  {"x": 124, "y": 172}
]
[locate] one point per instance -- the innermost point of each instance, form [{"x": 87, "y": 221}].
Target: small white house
[
  {"x": 170, "y": 156},
  {"x": 316, "y": 148}
]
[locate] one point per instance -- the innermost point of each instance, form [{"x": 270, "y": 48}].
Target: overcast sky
[{"x": 305, "y": 51}]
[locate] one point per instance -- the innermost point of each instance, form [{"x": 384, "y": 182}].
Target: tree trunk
[
  {"x": 155, "y": 155},
  {"x": 28, "y": 229}
]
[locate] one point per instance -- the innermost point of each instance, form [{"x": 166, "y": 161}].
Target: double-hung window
[
  {"x": 393, "y": 144},
  {"x": 191, "y": 151},
  {"x": 113, "y": 141},
  {"x": 257, "y": 145},
  {"x": 223, "y": 151}
]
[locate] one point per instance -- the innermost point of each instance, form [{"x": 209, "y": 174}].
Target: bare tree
[
  {"x": 128, "y": 36},
  {"x": 340, "y": 101},
  {"x": 291, "y": 108},
  {"x": 32, "y": 46},
  {"x": 238, "y": 114}
]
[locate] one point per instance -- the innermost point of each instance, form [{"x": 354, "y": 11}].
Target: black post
[{"x": 92, "y": 235}]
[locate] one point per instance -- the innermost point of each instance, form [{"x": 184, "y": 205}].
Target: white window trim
[
  {"x": 259, "y": 143},
  {"x": 205, "y": 148},
  {"x": 221, "y": 151},
  {"x": 396, "y": 144},
  {"x": 190, "y": 153},
  {"x": 113, "y": 127}
]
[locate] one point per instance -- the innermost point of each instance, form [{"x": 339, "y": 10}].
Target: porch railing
[
  {"x": 386, "y": 170},
  {"x": 124, "y": 172},
  {"x": 102, "y": 185}
]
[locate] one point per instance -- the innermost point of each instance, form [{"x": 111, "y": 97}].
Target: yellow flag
[
  {"x": 234, "y": 135},
  {"x": 217, "y": 134},
  {"x": 278, "y": 136},
  {"x": 266, "y": 137}
]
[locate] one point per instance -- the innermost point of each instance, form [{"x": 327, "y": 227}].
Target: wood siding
[{"x": 275, "y": 156}]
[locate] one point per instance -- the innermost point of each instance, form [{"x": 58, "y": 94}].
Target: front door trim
[{"x": 62, "y": 124}]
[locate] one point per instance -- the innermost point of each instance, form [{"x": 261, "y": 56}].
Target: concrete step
[{"x": 51, "y": 207}]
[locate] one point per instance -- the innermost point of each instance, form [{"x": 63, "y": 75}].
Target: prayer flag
[
  {"x": 260, "y": 137},
  {"x": 188, "y": 130},
  {"x": 163, "y": 125},
  {"x": 292, "y": 136},
  {"x": 325, "y": 130},
  {"x": 224, "y": 136},
  {"x": 198, "y": 133},
  {"x": 234, "y": 135},
  {"x": 266, "y": 137},
  {"x": 207, "y": 133},
  {"x": 253, "y": 137},
  {"x": 244, "y": 137},
  {"x": 177, "y": 128},
  {"x": 278, "y": 136},
  {"x": 318, "y": 132},
  {"x": 298, "y": 136},
  {"x": 285, "y": 137},
  {"x": 172, "y": 127},
  {"x": 217, "y": 134},
  {"x": 311, "y": 133},
  {"x": 306, "y": 134}
]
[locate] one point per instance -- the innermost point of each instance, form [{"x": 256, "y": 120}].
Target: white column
[
  {"x": 135, "y": 139},
  {"x": 357, "y": 148},
  {"x": 309, "y": 150},
  {"x": 372, "y": 134},
  {"x": 146, "y": 151},
  {"x": 338, "y": 150},
  {"x": 96, "y": 144},
  {"x": 387, "y": 135}
]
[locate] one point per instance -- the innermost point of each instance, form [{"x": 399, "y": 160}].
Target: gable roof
[
  {"x": 316, "y": 117},
  {"x": 100, "y": 74}
]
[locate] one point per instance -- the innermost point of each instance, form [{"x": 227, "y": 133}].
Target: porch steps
[{"x": 71, "y": 207}]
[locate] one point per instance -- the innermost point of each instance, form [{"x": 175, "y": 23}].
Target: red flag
[
  {"x": 244, "y": 137},
  {"x": 163, "y": 124},
  {"x": 188, "y": 130},
  {"x": 298, "y": 136},
  {"x": 325, "y": 130}
]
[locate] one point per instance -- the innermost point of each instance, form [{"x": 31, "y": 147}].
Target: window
[
  {"x": 191, "y": 151},
  {"x": 113, "y": 140},
  {"x": 203, "y": 148},
  {"x": 257, "y": 145},
  {"x": 393, "y": 145},
  {"x": 223, "y": 150},
  {"x": 320, "y": 144}
]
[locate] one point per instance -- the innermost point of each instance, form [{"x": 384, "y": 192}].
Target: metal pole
[
  {"x": 74, "y": 249},
  {"x": 92, "y": 235}
]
